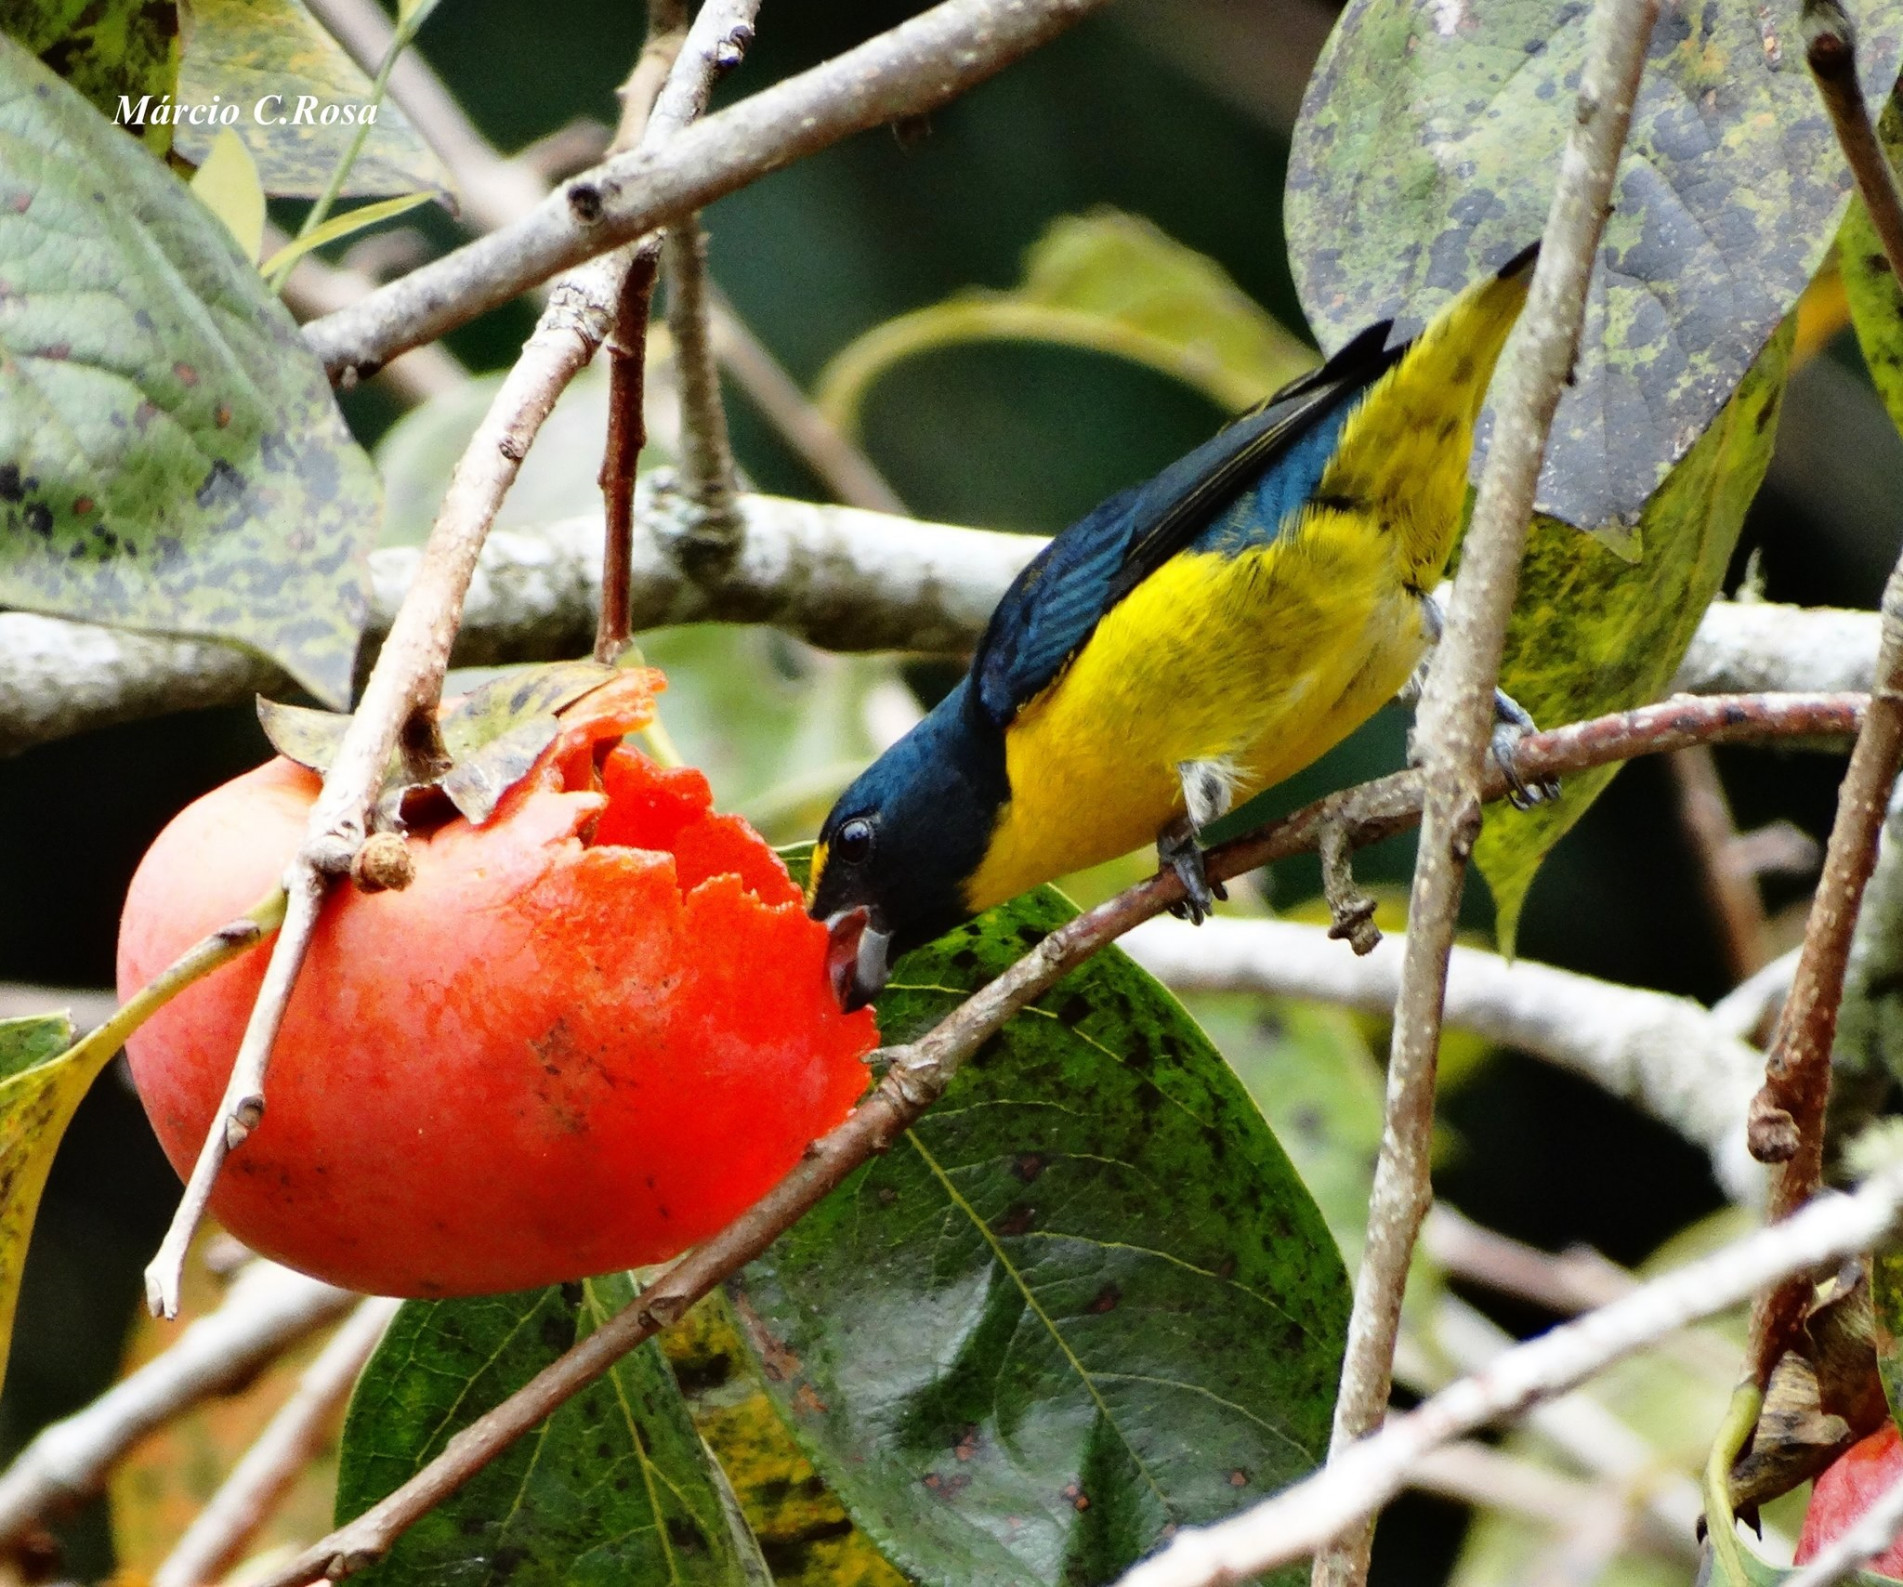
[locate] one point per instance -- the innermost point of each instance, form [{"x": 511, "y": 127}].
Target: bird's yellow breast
[{"x": 1263, "y": 661}]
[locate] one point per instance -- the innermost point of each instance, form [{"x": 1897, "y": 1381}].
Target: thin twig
[
  {"x": 491, "y": 190},
  {"x": 915, "y": 67},
  {"x": 496, "y": 192},
  {"x": 1455, "y": 718},
  {"x": 246, "y": 1498},
  {"x": 1564, "y": 1283},
  {"x": 714, "y": 532},
  {"x": 630, "y": 271},
  {"x": 1730, "y": 889},
  {"x": 621, "y": 455},
  {"x": 399, "y": 701},
  {"x": 1306, "y": 1516},
  {"x": 1664, "y": 1054},
  {"x": 1787, "y": 1119},
  {"x": 1479, "y": 1475},
  {"x": 840, "y": 466},
  {"x": 917, "y": 1074},
  {"x": 267, "y": 1311}
]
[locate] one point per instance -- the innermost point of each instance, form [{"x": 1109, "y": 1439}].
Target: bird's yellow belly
[{"x": 1262, "y": 662}]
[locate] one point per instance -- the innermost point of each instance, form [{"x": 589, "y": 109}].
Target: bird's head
[{"x": 893, "y": 859}]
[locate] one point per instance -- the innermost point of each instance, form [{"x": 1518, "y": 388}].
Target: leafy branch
[{"x": 917, "y": 1073}]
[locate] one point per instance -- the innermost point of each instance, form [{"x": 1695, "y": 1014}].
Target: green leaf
[
  {"x": 1876, "y": 302},
  {"x": 1312, "y": 1073},
  {"x": 104, "y": 48},
  {"x": 227, "y": 185},
  {"x": 1108, "y": 283},
  {"x": 615, "y": 1488},
  {"x": 242, "y": 52},
  {"x": 1426, "y": 152},
  {"x": 171, "y": 457},
  {"x": 345, "y": 225},
  {"x": 44, "y": 1082},
  {"x": 1593, "y": 633},
  {"x": 1085, "y": 1300},
  {"x": 412, "y": 14}
]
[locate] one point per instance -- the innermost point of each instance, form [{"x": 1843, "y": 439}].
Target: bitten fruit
[
  {"x": 1847, "y": 1488},
  {"x": 587, "y": 1034}
]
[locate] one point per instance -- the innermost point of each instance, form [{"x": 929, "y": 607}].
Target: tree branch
[
  {"x": 1787, "y": 1116},
  {"x": 1664, "y": 1054},
  {"x": 917, "y": 1074},
  {"x": 919, "y": 65},
  {"x": 1455, "y": 719},
  {"x": 838, "y": 577},
  {"x": 495, "y": 191},
  {"x": 1308, "y": 1515},
  {"x": 268, "y": 1310},
  {"x": 246, "y": 1498}
]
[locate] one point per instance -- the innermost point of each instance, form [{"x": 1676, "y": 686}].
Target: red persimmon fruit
[
  {"x": 1847, "y": 1488},
  {"x": 589, "y": 1033}
]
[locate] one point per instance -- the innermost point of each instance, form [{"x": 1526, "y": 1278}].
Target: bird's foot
[
  {"x": 1350, "y": 911},
  {"x": 1177, "y": 848},
  {"x": 1511, "y": 724}
]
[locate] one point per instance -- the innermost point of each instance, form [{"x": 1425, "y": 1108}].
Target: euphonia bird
[{"x": 1186, "y": 644}]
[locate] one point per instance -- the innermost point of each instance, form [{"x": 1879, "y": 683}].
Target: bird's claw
[
  {"x": 1511, "y": 725},
  {"x": 1178, "y": 849}
]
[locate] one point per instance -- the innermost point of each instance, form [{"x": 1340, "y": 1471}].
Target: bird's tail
[{"x": 1403, "y": 455}]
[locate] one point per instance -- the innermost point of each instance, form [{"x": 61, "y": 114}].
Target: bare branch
[
  {"x": 1742, "y": 647},
  {"x": 919, "y": 65},
  {"x": 843, "y": 579},
  {"x": 839, "y": 465},
  {"x": 1731, "y": 888},
  {"x": 1367, "y": 1474},
  {"x": 268, "y": 1310},
  {"x": 1787, "y": 1116},
  {"x": 1478, "y": 1474},
  {"x": 1664, "y": 1054},
  {"x": 707, "y": 471},
  {"x": 497, "y": 191},
  {"x": 244, "y": 1502},
  {"x": 1584, "y": 1429},
  {"x": 1455, "y": 719},
  {"x": 492, "y": 190}
]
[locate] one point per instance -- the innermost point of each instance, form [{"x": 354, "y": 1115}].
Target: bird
[{"x": 1189, "y": 642}]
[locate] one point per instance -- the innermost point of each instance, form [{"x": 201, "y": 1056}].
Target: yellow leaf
[
  {"x": 41, "y": 1088},
  {"x": 227, "y": 184},
  {"x": 1107, "y": 283},
  {"x": 343, "y": 225},
  {"x": 45, "y": 1080},
  {"x": 804, "y": 1531}
]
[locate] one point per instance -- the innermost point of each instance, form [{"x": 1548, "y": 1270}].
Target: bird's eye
[{"x": 853, "y": 842}]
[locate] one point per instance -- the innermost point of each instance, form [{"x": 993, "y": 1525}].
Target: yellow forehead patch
[{"x": 812, "y": 874}]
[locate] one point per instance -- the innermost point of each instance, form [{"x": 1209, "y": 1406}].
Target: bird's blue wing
[{"x": 1235, "y": 489}]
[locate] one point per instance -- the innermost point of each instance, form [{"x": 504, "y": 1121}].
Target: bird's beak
[{"x": 857, "y": 957}]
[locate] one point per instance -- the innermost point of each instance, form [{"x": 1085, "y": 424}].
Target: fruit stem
[{"x": 1721, "y": 1531}]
